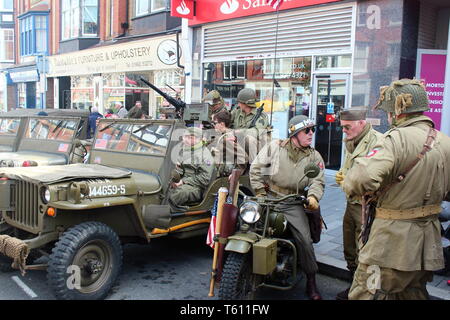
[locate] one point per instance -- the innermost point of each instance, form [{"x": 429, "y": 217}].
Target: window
[
  {"x": 79, "y": 18},
  {"x": 234, "y": 70},
  {"x": 6, "y": 45},
  {"x": 6, "y": 5},
  {"x": 33, "y": 34},
  {"x": 148, "y": 6}
]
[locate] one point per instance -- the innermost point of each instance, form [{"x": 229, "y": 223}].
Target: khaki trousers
[
  {"x": 351, "y": 228},
  {"x": 378, "y": 283}
]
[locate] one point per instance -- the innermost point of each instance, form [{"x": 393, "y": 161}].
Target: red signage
[
  {"x": 182, "y": 8},
  {"x": 330, "y": 118},
  {"x": 218, "y": 10}
]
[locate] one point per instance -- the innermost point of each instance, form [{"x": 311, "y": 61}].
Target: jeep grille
[{"x": 25, "y": 199}]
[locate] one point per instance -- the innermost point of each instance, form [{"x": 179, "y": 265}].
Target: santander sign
[{"x": 218, "y": 10}]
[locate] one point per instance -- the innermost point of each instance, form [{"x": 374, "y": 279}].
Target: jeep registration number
[{"x": 106, "y": 190}]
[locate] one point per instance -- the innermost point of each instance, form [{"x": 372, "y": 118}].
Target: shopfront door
[{"x": 330, "y": 95}]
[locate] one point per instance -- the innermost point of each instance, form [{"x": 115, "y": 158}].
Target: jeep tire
[{"x": 85, "y": 262}]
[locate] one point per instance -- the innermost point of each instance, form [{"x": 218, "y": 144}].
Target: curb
[{"x": 337, "y": 268}]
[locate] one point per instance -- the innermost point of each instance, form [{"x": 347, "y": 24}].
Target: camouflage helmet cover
[
  {"x": 194, "y": 131},
  {"x": 247, "y": 96},
  {"x": 403, "y": 96},
  {"x": 299, "y": 123},
  {"x": 213, "y": 97}
]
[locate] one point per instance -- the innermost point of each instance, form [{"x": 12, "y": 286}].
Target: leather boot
[
  {"x": 343, "y": 295},
  {"x": 311, "y": 287}
]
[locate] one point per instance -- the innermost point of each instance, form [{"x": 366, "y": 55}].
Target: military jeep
[
  {"x": 48, "y": 140},
  {"x": 80, "y": 214}
]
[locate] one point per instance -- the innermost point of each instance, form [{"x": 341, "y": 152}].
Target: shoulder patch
[{"x": 372, "y": 153}]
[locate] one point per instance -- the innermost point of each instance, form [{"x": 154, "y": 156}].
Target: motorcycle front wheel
[{"x": 238, "y": 281}]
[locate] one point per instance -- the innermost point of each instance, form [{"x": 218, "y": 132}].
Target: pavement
[{"x": 329, "y": 251}]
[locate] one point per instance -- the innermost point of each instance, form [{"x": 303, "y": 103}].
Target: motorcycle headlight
[
  {"x": 45, "y": 195},
  {"x": 250, "y": 212}
]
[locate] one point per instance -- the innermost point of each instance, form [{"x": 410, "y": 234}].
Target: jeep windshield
[
  {"x": 51, "y": 129},
  {"x": 149, "y": 138},
  {"x": 9, "y": 126}
]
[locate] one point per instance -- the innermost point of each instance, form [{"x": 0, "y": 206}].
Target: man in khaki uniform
[
  {"x": 276, "y": 172},
  {"x": 242, "y": 117},
  {"x": 404, "y": 246},
  {"x": 195, "y": 167},
  {"x": 360, "y": 139},
  {"x": 215, "y": 102}
]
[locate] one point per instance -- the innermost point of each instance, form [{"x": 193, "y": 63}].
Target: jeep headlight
[
  {"x": 45, "y": 195},
  {"x": 250, "y": 212}
]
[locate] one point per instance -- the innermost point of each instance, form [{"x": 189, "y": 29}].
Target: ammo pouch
[{"x": 315, "y": 224}]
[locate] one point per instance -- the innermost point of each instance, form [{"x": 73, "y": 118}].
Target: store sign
[
  {"x": 218, "y": 10},
  {"x": 128, "y": 57},
  {"x": 24, "y": 76},
  {"x": 431, "y": 69},
  {"x": 182, "y": 8}
]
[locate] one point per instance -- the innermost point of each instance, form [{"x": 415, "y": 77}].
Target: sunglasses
[{"x": 307, "y": 130}]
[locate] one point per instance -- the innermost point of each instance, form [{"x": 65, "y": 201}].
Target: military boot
[
  {"x": 343, "y": 295},
  {"x": 311, "y": 288}
]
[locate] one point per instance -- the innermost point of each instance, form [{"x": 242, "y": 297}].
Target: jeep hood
[
  {"x": 42, "y": 158},
  {"x": 53, "y": 174}
]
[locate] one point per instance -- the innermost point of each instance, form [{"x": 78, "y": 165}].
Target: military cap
[
  {"x": 403, "y": 96},
  {"x": 194, "y": 131},
  {"x": 299, "y": 123},
  {"x": 353, "y": 114}
]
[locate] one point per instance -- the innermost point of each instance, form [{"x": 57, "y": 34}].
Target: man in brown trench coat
[{"x": 404, "y": 246}]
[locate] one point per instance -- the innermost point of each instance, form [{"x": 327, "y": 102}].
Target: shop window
[
  {"x": 79, "y": 18},
  {"x": 143, "y": 7},
  {"x": 33, "y": 34},
  {"x": 234, "y": 70},
  {"x": 6, "y": 45},
  {"x": 333, "y": 62},
  {"x": 281, "y": 67},
  {"x": 82, "y": 92}
]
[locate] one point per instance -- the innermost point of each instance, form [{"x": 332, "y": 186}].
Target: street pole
[{"x": 274, "y": 66}]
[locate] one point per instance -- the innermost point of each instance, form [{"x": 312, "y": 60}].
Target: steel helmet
[
  {"x": 248, "y": 97},
  {"x": 298, "y": 123},
  {"x": 403, "y": 96}
]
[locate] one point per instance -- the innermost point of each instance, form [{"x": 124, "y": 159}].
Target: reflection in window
[
  {"x": 9, "y": 126},
  {"x": 51, "y": 129},
  {"x": 328, "y": 62},
  {"x": 153, "y": 138},
  {"x": 113, "y": 136}
]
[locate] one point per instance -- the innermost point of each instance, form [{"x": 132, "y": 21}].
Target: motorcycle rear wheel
[{"x": 238, "y": 280}]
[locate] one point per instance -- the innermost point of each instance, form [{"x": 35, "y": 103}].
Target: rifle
[
  {"x": 178, "y": 104},
  {"x": 368, "y": 203},
  {"x": 257, "y": 115}
]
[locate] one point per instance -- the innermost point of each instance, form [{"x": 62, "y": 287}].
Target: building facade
[
  {"x": 6, "y": 48},
  {"x": 316, "y": 57}
]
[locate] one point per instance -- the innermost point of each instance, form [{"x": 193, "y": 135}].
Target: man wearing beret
[
  {"x": 195, "y": 168},
  {"x": 360, "y": 138}
]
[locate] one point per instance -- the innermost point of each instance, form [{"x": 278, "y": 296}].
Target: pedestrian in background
[
  {"x": 121, "y": 111},
  {"x": 407, "y": 173},
  {"x": 92, "y": 122},
  {"x": 135, "y": 112}
]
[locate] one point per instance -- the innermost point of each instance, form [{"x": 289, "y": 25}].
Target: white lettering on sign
[
  {"x": 106, "y": 190},
  {"x": 374, "y": 18}
]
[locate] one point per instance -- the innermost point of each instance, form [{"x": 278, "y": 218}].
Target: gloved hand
[
  {"x": 313, "y": 204},
  {"x": 340, "y": 178},
  {"x": 261, "y": 193}
]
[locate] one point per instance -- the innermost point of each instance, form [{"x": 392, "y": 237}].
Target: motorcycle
[{"x": 261, "y": 253}]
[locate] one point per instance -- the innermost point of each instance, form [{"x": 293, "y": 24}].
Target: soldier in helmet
[
  {"x": 276, "y": 171},
  {"x": 215, "y": 102},
  {"x": 246, "y": 116},
  {"x": 360, "y": 139},
  {"x": 407, "y": 173},
  {"x": 194, "y": 171}
]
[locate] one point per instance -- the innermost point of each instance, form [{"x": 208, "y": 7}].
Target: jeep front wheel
[{"x": 85, "y": 262}]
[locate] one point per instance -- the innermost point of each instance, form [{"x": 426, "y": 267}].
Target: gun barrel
[{"x": 176, "y": 103}]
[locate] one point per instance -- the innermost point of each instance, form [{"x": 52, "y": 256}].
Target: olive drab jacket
[
  {"x": 228, "y": 154},
  {"x": 279, "y": 166},
  {"x": 366, "y": 142},
  {"x": 241, "y": 120},
  {"x": 406, "y": 242},
  {"x": 197, "y": 166}
]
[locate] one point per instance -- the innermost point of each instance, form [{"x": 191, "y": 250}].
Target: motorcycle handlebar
[{"x": 277, "y": 200}]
